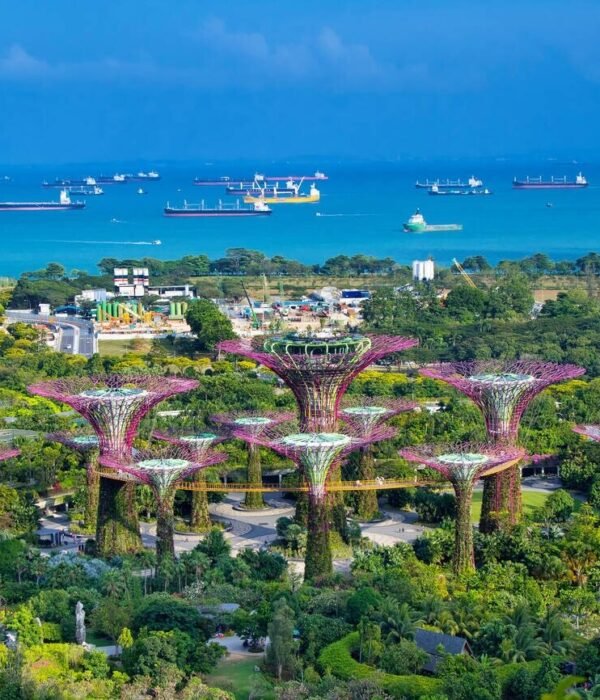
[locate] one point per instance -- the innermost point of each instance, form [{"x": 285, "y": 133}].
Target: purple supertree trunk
[
  {"x": 162, "y": 469},
  {"x": 315, "y": 453},
  {"x": 502, "y": 391},
  {"x": 462, "y": 465},
  {"x": 318, "y": 369}
]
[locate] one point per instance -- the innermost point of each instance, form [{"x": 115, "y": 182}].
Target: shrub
[{"x": 51, "y": 632}]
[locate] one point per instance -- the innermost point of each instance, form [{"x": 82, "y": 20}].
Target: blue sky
[{"x": 196, "y": 80}]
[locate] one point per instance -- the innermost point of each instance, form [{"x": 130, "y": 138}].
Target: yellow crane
[{"x": 464, "y": 273}]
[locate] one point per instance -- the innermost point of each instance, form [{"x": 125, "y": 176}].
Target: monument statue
[{"x": 79, "y": 623}]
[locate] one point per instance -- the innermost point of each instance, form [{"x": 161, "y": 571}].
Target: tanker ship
[
  {"x": 62, "y": 205},
  {"x": 554, "y": 183},
  {"x": 235, "y": 210}
]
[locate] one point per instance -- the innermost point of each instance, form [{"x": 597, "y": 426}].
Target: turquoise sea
[{"x": 361, "y": 211}]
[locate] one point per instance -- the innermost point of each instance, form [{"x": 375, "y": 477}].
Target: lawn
[
  {"x": 236, "y": 676},
  {"x": 115, "y": 348},
  {"x": 531, "y": 501}
]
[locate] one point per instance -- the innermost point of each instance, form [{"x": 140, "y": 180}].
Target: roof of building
[{"x": 438, "y": 644}]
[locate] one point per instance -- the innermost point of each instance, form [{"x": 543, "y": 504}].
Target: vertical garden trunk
[
  {"x": 254, "y": 499},
  {"x": 464, "y": 557},
  {"x": 501, "y": 503},
  {"x": 117, "y": 526},
  {"x": 92, "y": 488},
  {"x": 367, "y": 505},
  {"x": 318, "y": 561},
  {"x": 165, "y": 526},
  {"x": 200, "y": 517}
]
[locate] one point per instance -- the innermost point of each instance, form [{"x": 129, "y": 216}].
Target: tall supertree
[
  {"x": 318, "y": 369},
  {"x": 88, "y": 446},
  {"x": 114, "y": 405},
  {"x": 365, "y": 415},
  {"x": 257, "y": 422},
  {"x": 502, "y": 390},
  {"x": 462, "y": 465},
  {"x": 162, "y": 469},
  {"x": 314, "y": 453},
  {"x": 197, "y": 444}
]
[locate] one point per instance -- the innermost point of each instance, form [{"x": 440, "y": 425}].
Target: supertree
[
  {"x": 257, "y": 422},
  {"x": 502, "y": 390},
  {"x": 314, "y": 453},
  {"x": 197, "y": 444},
  {"x": 114, "y": 406},
  {"x": 462, "y": 465},
  {"x": 318, "y": 369},
  {"x": 162, "y": 469},
  {"x": 87, "y": 445},
  {"x": 366, "y": 414}
]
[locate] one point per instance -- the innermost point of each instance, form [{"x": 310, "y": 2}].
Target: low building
[
  {"x": 437, "y": 645},
  {"x": 171, "y": 291}
]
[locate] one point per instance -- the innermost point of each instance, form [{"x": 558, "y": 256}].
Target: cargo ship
[
  {"x": 151, "y": 176},
  {"x": 417, "y": 224},
  {"x": 435, "y": 190},
  {"x": 65, "y": 184},
  {"x": 242, "y": 182},
  {"x": 294, "y": 197},
  {"x": 472, "y": 183},
  {"x": 554, "y": 183},
  {"x": 63, "y": 204},
  {"x": 94, "y": 191},
  {"x": 255, "y": 189},
  {"x": 195, "y": 210}
]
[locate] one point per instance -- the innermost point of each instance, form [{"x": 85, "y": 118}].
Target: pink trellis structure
[
  {"x": 318, "y": 368},
  {"x": 315, "y": 453},
  {"x": 462, "y": 465},
  {"x": 502, "y": 390},
  {"x": 592, "y": 432},
  {"x": 114, "y": 405},
  {"x": 162, "y": 469}
]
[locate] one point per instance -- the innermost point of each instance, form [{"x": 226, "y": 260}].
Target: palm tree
[
  {"x": 397, "y": 620},
  {"x": 113, "y": 584}
]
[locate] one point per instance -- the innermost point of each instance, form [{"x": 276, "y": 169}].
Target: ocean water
[{"x": 361, "y": 211}]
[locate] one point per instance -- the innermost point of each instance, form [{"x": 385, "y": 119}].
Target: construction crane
[
  {"x": 255, "y": 320},
  {"x": 464, "y": 273}
]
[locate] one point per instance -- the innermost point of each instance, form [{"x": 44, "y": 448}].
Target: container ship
[
  {"x": 554, "y": 183},
  {"x": 293, "y": 197},
  {"x": 63, "y": 204},
  {"x": 417, "y": 224},
  {"x": 472, "y": 183},
  {"x": 259, "y": 208}
]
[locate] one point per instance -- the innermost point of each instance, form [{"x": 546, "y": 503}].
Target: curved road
[{"x": 75, "y": 336}]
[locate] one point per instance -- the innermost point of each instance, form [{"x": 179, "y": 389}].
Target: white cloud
[{"x": 18, "y": 63}]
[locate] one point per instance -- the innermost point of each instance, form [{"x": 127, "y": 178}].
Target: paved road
[{"x": 75, "y": 335}]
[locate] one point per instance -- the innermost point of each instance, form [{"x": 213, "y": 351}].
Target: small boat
[
  {"x": 417, "y": 224},
  {"x": 554, "y": 183},
  {"x": 259, "y": 208},
  {"x": 549, "y": 205},
  {"x": 157, "y": 242},
  {"x": 63, "y": 204},
  {"x": 435, "y": 190},
  {"x": 295, "y": 197},
  {"x": 141, "y": 191},
  {"x": 471, "y": 183}
]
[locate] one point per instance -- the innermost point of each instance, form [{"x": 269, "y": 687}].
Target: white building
[{"x": 423, "y": 270}]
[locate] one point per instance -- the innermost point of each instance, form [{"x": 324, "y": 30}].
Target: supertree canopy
[
  {"x": 252, "y": 422},
  {"x": 88, "y": 445},
  {"x": 197, "y": 444},
  {"x": 162, "y": 470},
  {"x": 364, "y": 415},
  {"x": 114, "y": 406},
  {"x": 502, "y": 391},
  {"x": 318, "y": 368},
  {"x": 462, "y": 465},
  {"x": 315, "y": 453}
]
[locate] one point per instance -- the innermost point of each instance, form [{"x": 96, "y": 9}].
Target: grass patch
[
  {"x": 531, "y": 501},
  {"x": 99, "y": 640},
  {"x": 116, "y": 348},
  {"x": 236, "y": 676}
]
